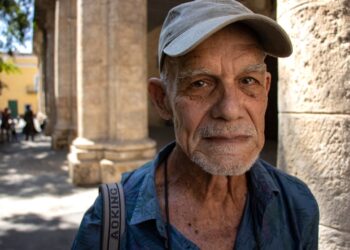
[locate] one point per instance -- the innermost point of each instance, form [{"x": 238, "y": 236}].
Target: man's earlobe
[{"x": 159, "y": 98}]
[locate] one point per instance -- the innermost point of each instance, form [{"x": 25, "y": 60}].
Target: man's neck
[
  {"x": 183, "y": 173},
  {"x": 207, "y": 209}
]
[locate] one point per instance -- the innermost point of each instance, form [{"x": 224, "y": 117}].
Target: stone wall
[{"x": 314, "y": 106}]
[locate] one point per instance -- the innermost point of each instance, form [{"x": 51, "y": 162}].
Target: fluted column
[
  {"x": 111, "y": 91},
  {"x": 65, "y": 73},
  {"x": 314, "y": 109}
]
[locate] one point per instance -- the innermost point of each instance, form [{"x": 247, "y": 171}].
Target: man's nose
[{"x": 228, "y": 105}]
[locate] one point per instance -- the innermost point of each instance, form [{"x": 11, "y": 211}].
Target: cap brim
[{"x": 272, "y": 37}]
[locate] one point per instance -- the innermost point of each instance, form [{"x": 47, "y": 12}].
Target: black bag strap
[{"x": 113, "y": 225}]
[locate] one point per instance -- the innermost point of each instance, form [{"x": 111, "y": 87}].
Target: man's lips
[{"x": 228, "y": 139}]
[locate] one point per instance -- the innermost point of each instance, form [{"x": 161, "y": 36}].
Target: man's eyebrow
[
  {"x": 190, "y": 73},
  {"x": 255, "y": 68},
  {"x": 203, "y": 71}
]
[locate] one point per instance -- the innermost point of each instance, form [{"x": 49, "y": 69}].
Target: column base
[
  {"x": 62, "y": 138},
  {"x": 92, "y": 163}
]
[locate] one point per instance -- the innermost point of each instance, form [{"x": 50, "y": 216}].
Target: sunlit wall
[{"x": 22, "y": 88}]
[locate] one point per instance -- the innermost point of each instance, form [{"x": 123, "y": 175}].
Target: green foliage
[
  {"x": 15, "y": 25},
  {"x": 8, "y": 67},
  {"x": 14, "y": 16}
]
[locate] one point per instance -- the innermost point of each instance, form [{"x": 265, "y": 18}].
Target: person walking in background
[
  {"x": 42, "y": 120},
  {"x": 5, "y": 125},
  {"x": 13, "y": 125},
  {"x": 29, "y": 129}
]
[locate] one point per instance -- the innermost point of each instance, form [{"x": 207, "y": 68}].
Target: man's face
[{"x": 218, "y": 102}]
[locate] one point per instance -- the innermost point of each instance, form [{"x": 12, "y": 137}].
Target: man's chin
[{"x": 224, "y": 167}]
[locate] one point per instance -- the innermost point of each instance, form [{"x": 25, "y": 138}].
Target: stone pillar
[
  {"x": 49, "y": 82},
  {"x": 65, "y": 73},
  {"x": 111, "y": 91},
  {"x": 44, "y": 48},
  {"x": 314, "y": 109}
]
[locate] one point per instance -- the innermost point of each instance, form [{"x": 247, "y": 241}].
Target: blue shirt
[{"x": 280, "y": 213}]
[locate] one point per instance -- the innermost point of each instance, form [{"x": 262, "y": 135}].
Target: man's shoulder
[
  {"x": 281, "y": 176},
  {"x": 136, "y": 176},
  {"x": 291, "y": 187},
  {"x": 138, "y": 182}
]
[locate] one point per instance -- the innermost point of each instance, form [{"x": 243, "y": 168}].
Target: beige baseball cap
[{"x": 189, "y": 24}]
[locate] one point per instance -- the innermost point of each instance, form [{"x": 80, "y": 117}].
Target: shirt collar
[
  {"x": 262, "y": 185},
  {"x": 262, "y": 191}
]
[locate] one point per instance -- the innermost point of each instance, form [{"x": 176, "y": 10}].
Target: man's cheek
[
  {"x": 180, "y": 122},
  {"x": 179, "y": 114}
]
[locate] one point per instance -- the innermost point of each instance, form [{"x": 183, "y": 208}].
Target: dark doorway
[
  {"x": 271, "y": 117},
  {"x": 13, "y": 106}
]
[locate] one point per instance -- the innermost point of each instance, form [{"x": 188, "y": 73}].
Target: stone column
[
  {"x": 65, "y": 73},
  {"x": 111, "y": 91},
  {"x": 49, "y": 81},
  {"x": 44, "y": 48},
  {"x": 314, "y": 106}
]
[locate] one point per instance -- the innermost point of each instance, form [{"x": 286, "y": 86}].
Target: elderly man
[{"x": 209, "y": 189}]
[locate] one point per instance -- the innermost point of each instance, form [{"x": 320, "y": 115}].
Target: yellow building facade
[{"x": 22, "y": 88}]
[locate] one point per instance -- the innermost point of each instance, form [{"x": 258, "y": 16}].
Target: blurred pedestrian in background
[
  {"x": 5, "y": 125},
  {"x": 29, "y": 129}
]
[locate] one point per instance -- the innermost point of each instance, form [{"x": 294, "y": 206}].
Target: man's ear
[{"x": 157, "y": 92}]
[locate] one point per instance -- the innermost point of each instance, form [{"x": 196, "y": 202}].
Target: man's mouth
[{"x": 228, "y": 139}]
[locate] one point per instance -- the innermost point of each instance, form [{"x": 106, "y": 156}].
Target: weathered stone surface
[
  {"x": 112, "y": 171},
  {"x": 314, "y": 101},
  {"x": 86, "y": 150},
  {"x": 65, "y": 73},
  {"x": 83, "y": 172},
  {"x": 112, "y": 96},
  {"x": 126, "y": 151},
  {"x": 316, "y": 77},
  {"x": 84, "y": 155},
  {"x": 315, "y": 148},
  {"x": 44, "y": 48},
  {"x": 127, "y": 58},
  {"x": 59, "y": 138},
  {"x": 333, "y": 239},
  {"x": 110, "y": 160},
  {"x": 92, "y": 82}
]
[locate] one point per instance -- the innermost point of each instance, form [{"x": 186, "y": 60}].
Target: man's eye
[
  {"x": 198, "y": 84},
  {"x": 249, "y": 81}
]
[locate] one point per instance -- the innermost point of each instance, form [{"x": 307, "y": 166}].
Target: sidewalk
[{"x": 39, "y": 207}]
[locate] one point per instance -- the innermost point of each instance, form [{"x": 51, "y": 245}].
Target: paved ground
[{"x": 39, "y": 207}]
